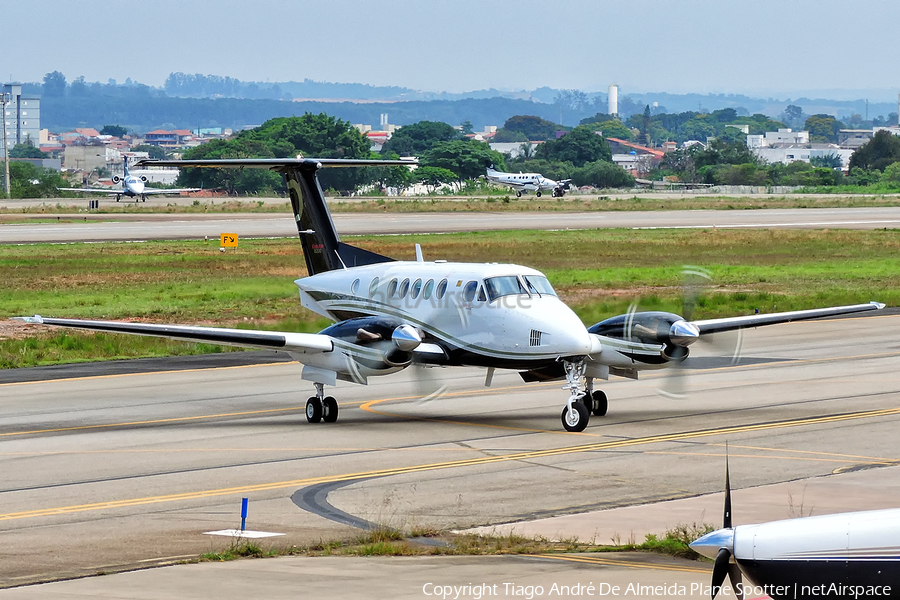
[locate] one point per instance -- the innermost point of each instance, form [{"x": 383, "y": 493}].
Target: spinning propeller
[{"x": 725, "y": 538}]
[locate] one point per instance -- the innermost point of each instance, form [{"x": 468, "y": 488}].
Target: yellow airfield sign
[{"x": 229, "y": 240}]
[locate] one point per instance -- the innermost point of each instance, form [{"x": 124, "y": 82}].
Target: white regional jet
[
  {"x": 529, "y": 182},
  {"x": 132, "y": 186},
  {"x": 844, "y": 555},
  {"x": 390, "y": 314}
]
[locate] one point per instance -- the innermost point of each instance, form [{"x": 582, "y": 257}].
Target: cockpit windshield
[
  {"x": 538, "y": 284},
  {"x": 508, "y": 285}
]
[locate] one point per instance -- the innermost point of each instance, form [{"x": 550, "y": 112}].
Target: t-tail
[{"x": 322, "y": 246}]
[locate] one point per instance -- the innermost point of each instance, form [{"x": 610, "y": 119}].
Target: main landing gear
[
  {"x": 581, "y": 403},
  {"x": 321, "y": 407}
]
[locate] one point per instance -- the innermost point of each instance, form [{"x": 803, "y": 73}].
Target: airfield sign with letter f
[{"x": 229, "y": 240}]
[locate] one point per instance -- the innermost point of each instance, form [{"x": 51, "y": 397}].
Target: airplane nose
[
  {"x": 710, "y": 544},
  {"x": 683, "y": 333}
]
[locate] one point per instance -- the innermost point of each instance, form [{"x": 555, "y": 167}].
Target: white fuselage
[
  {"x": 132, "y": 186},
  {"x": 531, "y": 182},
  {"x": 490, "y": 314}
]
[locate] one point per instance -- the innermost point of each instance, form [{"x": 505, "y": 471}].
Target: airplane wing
[
  {"x": 731, "y": 323},
  {"x": 154, "y": 191},
  {"x": 265, "y": 340},
  {"x": 108, "y": 192},
  {"x": 275, "y": 164}
]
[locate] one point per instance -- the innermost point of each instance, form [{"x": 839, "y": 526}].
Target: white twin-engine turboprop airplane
[
  {"x": 132, "y": 186},
  {"x": 529, "y": 182},
  {"x": 390, "y": 314}
]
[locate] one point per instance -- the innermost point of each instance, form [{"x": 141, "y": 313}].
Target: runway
[
  {"x": 186, "y": 226},
  {"x": 120, "y": 470}
]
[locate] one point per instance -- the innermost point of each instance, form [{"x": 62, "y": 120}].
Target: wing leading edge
[
  {"x": 249, "y": 338},
  {"x": 732, "y": 323}
]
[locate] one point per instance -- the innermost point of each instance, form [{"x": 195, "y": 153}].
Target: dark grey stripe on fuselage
[{"x": 803, "y": 579}]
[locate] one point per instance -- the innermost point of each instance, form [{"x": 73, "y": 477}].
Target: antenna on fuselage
[
  {"x": 338, "y": 254},
  {"x": 419, "y": 257}
]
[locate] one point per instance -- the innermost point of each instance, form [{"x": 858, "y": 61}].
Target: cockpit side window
[
  {"x": 481, "y": 297},
  {"x": 538, "y": 284},
  {"x": 507, "y": 285},
  {"x": 469, "y": 291}
]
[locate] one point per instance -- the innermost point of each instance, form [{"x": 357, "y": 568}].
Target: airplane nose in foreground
[
  {"x": 710, "y": 544},
  {"x": 683, "y": 333}
]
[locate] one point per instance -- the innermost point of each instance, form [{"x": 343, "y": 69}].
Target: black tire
[
  {"x": 329, "y": 409},
  {"x": 313, "y": 410},
  {"x": 518, "y": 194},
  {"x": 580, "y": 418},
  {"x": 538, "y": 194},
  {"x": 600, "y": 404}
]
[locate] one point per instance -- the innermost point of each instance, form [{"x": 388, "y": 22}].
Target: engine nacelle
[
  {"x": 116, "y": 179},
  {"x": 144, "y": 178},
  {"x": 651, "y": 327},
  {"x": 392, "y": 339}
]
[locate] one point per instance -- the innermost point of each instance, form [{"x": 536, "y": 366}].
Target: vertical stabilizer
[{"x": 322, "y": 247}]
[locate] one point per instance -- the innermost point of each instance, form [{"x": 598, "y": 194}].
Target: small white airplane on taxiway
[
  {"x": 390, "y": 314},
  {"x": 528, "y": 182},
  {"x": 843, "y": 555},
  {"x": 132, "y": 186}
]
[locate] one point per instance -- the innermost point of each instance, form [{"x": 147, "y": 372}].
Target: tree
[
  {"x": 823, "y": 128},
  {"x": 879, "y": 152},
  {"x": 114, "y": 130},
  {"x": 722, "y": 152},
  {"x": 26, "y": 151},
  {"x": 533, "y": 128},
  {"x": 78, "y": 87},
  {"x": 793, "y": 115},
  {"x": 829, "y": 161},
  {"x": 232, "y": 180},
  {"x": 417, "y": 138},
  {"x": 891, "y": 174},
  {"x": 467, "y": 127},
  {"x": 54, "y": 85},
  {"x": 579, "y": 146},
  {"x": 29, "y": 181},
  {"x": 612, "y": 128},
  {"x": 432, "y": 177},
  {"x": 602, "y": 174},
  {"x": 467, "y": 158}
]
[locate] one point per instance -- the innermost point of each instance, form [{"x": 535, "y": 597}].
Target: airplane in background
[
  {"x": 390, "y": 314},
  {"x": 844, "y": 555},
  {"x": 529, "y": 182},
  {"x": 132, "y": 186}
]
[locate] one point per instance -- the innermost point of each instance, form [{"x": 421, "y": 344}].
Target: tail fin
[
  {"x": 322, "y": 247},
  {"x": 125, "y": 165}
]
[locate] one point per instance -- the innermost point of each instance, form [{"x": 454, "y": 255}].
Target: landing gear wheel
[
  {"x": 538, "y": 194},
  {"x": 329, "y": 409},
  {"x": 577, "y": 420},
  {"x": 600, "y": 403},
  {"x": 314, "y": 410},
  {"x": 518, "y": 194}
]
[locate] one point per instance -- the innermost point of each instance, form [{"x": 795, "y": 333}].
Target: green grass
[
  {"x": 598, "y": 272},
  {"x": 390, "y": 542}
]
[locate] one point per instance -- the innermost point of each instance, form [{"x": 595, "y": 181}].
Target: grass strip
[{"x": 597, "y": 272}]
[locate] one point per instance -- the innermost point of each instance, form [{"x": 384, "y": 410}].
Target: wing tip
[
  {"x": 35, "y": 320},
  {"x": 877, "y": 305}
]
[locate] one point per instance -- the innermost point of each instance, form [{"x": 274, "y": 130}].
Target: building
[
  {"x": 23, "y": 117},
  {"x": 777, "y": 138}
]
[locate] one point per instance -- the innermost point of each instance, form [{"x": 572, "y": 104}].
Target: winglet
[
  {"x": 35, "y": 320},
  {"x": 878, "y": 305}
]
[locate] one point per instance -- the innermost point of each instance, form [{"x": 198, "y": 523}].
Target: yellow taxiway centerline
[{"x": 484, "y": 460}]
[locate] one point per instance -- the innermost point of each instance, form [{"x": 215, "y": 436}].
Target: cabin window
[
  {"x": 354, "y": 287},
  {"x": 469, "y": 291},
  {"x": 481, "y": 297},
  {"x": 507, "y": 285},
  {"x": 538, "y": 284},
  {"x": 404, "y": 287},
  {"x": 392, "y": 288},
  {"x": 416, "y": 288},
  {"x": 441, "y": 289},
  {"x": 373, "y": 286},
  {"x": 429, "y": 286}
]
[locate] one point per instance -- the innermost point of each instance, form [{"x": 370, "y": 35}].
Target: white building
[
  {"x": 23, "y": 117},
  {"x": 777, "y": 138}
]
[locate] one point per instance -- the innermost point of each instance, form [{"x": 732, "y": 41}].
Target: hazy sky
[{"x": 757, "y": 47}]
